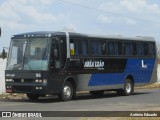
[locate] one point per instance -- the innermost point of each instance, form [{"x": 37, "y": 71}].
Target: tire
[
  {"x": 97, "y": 93},
  {"x": 33, "y": 96},
  {"x": 128, "y": 88},
  {"x": 67, "y": 92}
]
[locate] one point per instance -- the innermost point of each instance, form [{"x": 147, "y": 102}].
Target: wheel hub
[
  {"x": 67, "y": 91},
  {"x": 128, "y": 87}
]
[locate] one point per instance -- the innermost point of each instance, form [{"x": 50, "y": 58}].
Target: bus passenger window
[
  {"x": 98, "y": 47},
  {"x": 84, "y": 47},
  {"x": 74, "y": 47},
  {"x": 111, "y": 50},
  {"x": 130, "y": 48},
  {"x": 103, "y": 48},
  {"x": 118, "y": 48},
  {"x": 140, "y": 49},
  {"x": 151, "y": 49},
  {"x": 134, "y": 51},
  {"x": 146, "y": 49},
  {"x": 114, "y": 48},
  {"x": 94, "y": 47}
]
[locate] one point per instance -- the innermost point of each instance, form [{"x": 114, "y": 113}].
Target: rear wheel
[
  {"x": 33, "y": 96},
  {"x": 67, "y": 92},
  {"x": 97, "y": 93},
  {"x": 128, "y": 88}
]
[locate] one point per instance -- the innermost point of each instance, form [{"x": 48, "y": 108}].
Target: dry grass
[
  {"x": 12, "y": 96},
  {"x": 155, "y": 85}
]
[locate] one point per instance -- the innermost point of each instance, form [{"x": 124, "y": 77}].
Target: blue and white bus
[{"x": 63, "y": 63}]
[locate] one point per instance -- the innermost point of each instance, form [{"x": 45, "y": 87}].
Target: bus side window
[
  {"x": 140, "y": 49},
  {"x": 103, "y": 47},
  {"x": 134, "y": 51},
  {"x": 75, "y": 46},
  {"x": 118, "y": 48},
  {"x": 94, "y": 47},
  {"x": 84, "y": 47},
  {"x": 146, "y": 49},
  {"x": 78, "y": 46},
  {"x": 98, "y": 47},
  {"x": 130, "y": 48},
  {"x": 151, "y": 49},
  {"x": 127, "y": 48},
  {"x": 111, "y": 49}
]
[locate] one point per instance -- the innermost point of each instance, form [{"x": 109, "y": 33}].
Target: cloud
[
  {"x": 8, "y": 13},
  {"x": 140, "y": 9},
  {"x": 38, "y": 16},
  {"x": 140, "y": 6},
  {"x": 104, "y": 19},
  {"x": 130, "y": 21},
  {"x": 21, "y": 13},
  {"x": 46, "y": 2}
]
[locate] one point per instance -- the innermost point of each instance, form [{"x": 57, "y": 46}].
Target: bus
[{"x": 64, "y": 63}]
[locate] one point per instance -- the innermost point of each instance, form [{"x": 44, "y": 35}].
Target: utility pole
[{"x": 4, "y": 54}]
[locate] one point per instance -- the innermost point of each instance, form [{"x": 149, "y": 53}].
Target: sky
[{"x": 102, "y": 17}]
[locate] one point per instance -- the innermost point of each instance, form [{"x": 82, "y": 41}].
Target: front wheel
[
  {"x": 67, "y": 92},
  {"x": 128, "y": 88}
]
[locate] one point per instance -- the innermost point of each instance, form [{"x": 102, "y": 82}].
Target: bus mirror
[{"x": 72, "y": 48}]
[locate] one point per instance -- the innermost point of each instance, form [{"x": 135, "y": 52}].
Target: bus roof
[
  {"x": 74, "y": 34},
  {"x": 120, "y": 37}
]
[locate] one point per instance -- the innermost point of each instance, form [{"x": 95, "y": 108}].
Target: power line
[{"x": 108, "y": 12}]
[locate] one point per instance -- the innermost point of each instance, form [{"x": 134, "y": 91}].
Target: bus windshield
[{"x": 29, "y": 54}]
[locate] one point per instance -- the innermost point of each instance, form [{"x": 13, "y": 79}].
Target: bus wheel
[
  {"x": 33, "y": 96},
  {"x": 128, "y": 88},
  {"x": 97, "y": 93},
  {"x": 67, "y": 92}
]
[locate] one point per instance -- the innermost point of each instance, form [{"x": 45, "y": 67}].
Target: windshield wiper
[{"x": 30, "y": 68}]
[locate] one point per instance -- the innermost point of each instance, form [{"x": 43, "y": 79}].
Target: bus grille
[
  {"x": 23, "y": 89},
  {"x": 24, "y": 80}
]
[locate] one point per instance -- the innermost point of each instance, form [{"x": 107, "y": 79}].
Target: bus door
[
  {"x": 56, "y": 65},
  {"x": 55, "y": 54},
  {"x": 58, "y": 56}
]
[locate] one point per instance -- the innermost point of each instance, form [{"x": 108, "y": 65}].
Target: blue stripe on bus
[{"x": 133, "y": 67}]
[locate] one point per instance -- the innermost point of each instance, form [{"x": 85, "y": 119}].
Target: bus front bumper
[{"x": 26, "y": 88}]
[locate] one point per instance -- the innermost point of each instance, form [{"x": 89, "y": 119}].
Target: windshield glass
[{"x": 30, "y": 54}]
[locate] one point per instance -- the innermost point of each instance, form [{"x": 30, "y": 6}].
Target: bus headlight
[
  {"x": 9, "y": 80},
  {"x": 41, "y": 81},
  {"x": 44, "y": 80},
  {"x": 38, "y": 81}
]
